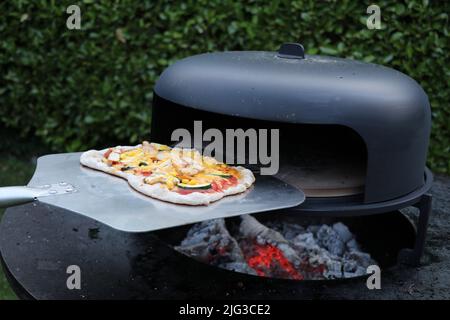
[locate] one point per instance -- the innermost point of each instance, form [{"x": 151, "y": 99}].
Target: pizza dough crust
[{"x": 93, "y": 160}]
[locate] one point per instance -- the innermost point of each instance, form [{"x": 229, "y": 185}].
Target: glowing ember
[
  {"x": 278, "y": 250},
  {"x": 268, "y": 258}
]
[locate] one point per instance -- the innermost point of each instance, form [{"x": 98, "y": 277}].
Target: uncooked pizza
[{"x": 176, "y": 175}]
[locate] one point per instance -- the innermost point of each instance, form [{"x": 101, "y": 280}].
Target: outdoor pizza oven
[
  {"x": 372, "y": 117},
  {"x": 352, "y": 135}
]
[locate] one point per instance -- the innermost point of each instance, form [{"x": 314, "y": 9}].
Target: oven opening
[{"x": 323, "y": 160}]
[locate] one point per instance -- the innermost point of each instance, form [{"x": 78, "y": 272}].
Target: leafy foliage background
[{"x": 77, "y": 89}]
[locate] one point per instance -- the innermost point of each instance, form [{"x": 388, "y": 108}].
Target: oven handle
[{"x": 11, "y": 196}]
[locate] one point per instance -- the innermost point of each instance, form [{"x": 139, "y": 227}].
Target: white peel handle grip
[{"x": 11, "y": 196}]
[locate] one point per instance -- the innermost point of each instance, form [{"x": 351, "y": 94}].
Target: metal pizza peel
[{"x": 60, "y": 180}]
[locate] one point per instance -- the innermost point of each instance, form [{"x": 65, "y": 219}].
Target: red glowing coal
[{"x": 268, "y": 259}]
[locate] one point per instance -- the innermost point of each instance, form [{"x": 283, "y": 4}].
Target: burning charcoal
[
  {"x": 313, "y": 229},
  {"x": 267, "y": 251},
  {"x": 330, "y": 239},
  {"x": 285, "y": 250},
  {"x": 288, "y": 230},
  {"x": 350, "y": 266},
  {"x": 210, "y": 242},
  {"x": 334, "y": 270},
  {"x": 200, "y": 232},
  {"x": 352, "y": 245},
  {"x": 252, "y": 228},
  {"x": 353, "y": 267},
  {"x": 305, "y": 242},
  {"x": 361, "y": 258},
  {"x": 321, "y": 262},
  {"x": 359, "y": 271},
  {"x": 343, "y": 232},
  {"x": 285, "y": 247}
]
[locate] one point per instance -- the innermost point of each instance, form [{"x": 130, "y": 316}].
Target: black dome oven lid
[
  {"x": 388, "y": 109},
  {"x": 289, "y": 86}
]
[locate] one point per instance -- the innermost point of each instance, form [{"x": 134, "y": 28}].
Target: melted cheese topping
[{"x": 171, "y": 166}]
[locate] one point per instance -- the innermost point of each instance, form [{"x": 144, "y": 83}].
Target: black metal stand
[{"x": 412, "y": 256}]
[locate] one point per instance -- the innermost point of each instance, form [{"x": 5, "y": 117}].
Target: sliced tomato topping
[
  {"x": 234, "y": 179},
  {"x": 216, "y": 186},
  {"x": 224, "y": 183},
  {"x": 146, "y": 173},
  {"x": 107, "y": 153}
]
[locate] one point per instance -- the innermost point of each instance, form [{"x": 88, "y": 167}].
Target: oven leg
[{"x": 412, "y": 256}]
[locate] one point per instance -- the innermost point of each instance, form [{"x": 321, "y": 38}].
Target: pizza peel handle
[{"x": 11, "y": 196}]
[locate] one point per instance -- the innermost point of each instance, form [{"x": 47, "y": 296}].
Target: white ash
[
  {"x": 331, "y": 246},
  {"x": 343, "y": 232},
  {"x": 352, "y": 245},
  {"x": 330, "y": 240},
  {"x": 316, "y": 252},
  {"x": 289, "y": 230}
]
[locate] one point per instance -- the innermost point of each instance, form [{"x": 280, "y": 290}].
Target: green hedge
[{"x": 92, "y": 87}]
